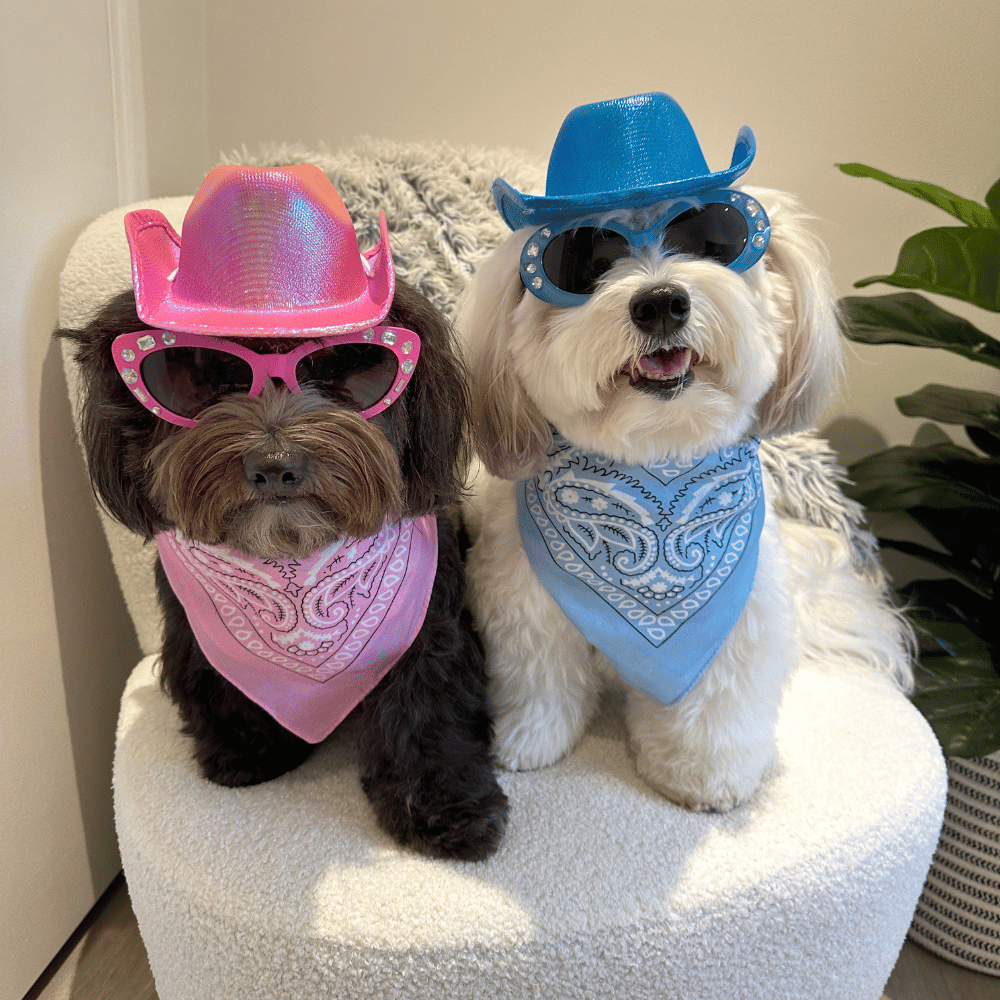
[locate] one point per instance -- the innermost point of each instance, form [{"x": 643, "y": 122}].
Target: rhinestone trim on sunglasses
[
  {"x": 369, "y": 378},
  {"x": 688, "y": 219}
]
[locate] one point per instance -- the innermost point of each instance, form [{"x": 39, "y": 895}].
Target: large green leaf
[
  {"x": 942, "y": 476},
  {"x": 909, "y": 318},
  {"x": 950, "y": 405},
  {"x": 958, "y": 261},
  {"x": 957, "y": 690},
  {"x": 972, "y": 536},
  {"x": 959, "y": 696},
  {"x": 950, "y": 601},
  {"x": 956, "y": 566},
  {"x": 969, "y": 212},
  {"x": 984, "y": 440},
  {"x": 993, "y": 201}
]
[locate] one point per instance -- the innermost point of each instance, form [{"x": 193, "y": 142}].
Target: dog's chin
[
  {"x": 664, "y": 405},
  {"x": 285, "y": 529}
]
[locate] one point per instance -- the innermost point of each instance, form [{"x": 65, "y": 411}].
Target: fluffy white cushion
[{"x": 600, "y": 889}]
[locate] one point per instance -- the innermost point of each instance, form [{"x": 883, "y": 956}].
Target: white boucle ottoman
[{"x": 600, "y": 889}]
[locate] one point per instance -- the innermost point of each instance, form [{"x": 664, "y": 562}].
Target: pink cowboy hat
[{"x": 264, "y": 252}]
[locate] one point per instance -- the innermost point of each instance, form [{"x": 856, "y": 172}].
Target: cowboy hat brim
[
  {"x": 520, "y": 210},
  {"x": 156, "y": 249}
]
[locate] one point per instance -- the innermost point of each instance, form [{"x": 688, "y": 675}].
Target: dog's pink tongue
[{"x": 665, "y": 364}]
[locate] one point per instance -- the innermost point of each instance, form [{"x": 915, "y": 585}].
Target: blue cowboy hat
[{"x": 628, "y": 152}]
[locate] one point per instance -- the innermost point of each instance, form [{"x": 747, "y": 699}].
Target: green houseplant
[{"x": 951, "y": 491}]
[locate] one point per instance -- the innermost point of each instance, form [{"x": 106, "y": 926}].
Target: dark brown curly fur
[
  {"x": 425, "y": 730},
  {"x": 350, "y": 480}
]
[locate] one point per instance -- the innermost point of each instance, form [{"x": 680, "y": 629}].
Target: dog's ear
[
  {"x": 511, "y": 435},
  {"x": 116, "y": 432},
  {"x": 430, "y": 428},
  {"x": 811, "y": 366}
]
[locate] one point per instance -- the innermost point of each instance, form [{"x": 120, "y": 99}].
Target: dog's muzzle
[{"x": 660, "y": 313}]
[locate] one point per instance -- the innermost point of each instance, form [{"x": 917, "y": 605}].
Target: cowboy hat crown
[
  {"x": 263, "y": 251},
  {"x": 631, "y": 151}
]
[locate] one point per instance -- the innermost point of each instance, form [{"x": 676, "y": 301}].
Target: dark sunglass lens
[
  {"x": 716, "y": 231},
  {"x": 576, "y": 260},
  {"x": 185, "y": 380},
  {"x": 354, "y": 375}
]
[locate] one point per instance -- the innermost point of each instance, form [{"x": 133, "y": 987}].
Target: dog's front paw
[
  {"x": 718, "y": 785},
  {"x": 465, "y": 831},
  {"x": 536, "y": 737},
  {"x": 462, "y": 828},
  {"x": 236, "y": 769}
]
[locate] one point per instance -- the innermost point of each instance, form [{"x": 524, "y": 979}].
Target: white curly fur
[{"x": 767, "y": 359}]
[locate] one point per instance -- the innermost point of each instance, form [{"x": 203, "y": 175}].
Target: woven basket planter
[{"x": 958, "y": 916}]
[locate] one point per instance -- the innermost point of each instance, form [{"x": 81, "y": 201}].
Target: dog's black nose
[
  {"x": 660, "y": 310},
  {"x": 275, "y": 475}
]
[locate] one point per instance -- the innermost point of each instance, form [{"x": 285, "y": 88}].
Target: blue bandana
[{"x": 653, "y": 564}]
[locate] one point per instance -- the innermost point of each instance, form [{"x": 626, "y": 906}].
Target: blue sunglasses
[{"x": 561, "y": 263}]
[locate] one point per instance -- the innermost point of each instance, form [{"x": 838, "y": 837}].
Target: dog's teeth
[{"x": 664, "y": 364}]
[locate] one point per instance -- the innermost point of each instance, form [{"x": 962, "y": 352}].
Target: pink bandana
[{"x": 307, "y": 639}]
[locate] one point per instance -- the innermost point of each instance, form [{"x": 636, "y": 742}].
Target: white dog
[{"x": 614, "y": 351}]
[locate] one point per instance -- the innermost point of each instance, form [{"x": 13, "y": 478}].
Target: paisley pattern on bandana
[
  {"x": 307, "y": 638},
  {"x": 653, "y": 564}
]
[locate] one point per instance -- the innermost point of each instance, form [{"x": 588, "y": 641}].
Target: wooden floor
[
  {"x": 919, "y": 975},
  {"x": 105, "y": 960}
]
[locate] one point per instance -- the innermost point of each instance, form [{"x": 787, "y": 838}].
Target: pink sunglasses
[{"x": 177, "y": 375}]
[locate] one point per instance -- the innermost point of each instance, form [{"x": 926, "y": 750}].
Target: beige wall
[
  {"x": 911, "y": 87},
  {"x": 66, "y": 644}
]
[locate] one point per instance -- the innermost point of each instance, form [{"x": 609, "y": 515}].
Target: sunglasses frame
[
  {"x": 129, "y": 349},
  {"x": 538, "y": 283}
]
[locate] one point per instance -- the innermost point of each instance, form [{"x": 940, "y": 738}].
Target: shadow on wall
[{"x": 853, "y": 439}]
